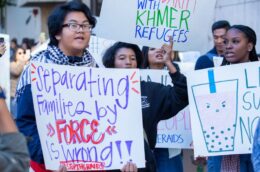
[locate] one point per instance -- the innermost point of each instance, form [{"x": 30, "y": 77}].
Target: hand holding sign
[{"x": 129, "y": 167}]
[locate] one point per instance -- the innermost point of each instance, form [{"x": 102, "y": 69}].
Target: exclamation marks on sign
[
  {"x": 128, "y": 146},
  {"x": 118, "y": 145}
]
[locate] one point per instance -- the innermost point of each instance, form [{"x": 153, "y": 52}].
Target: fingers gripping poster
[
  {"x": 224, "y": 105},
  {"x": 151, "y": 22},
  {"x": 88, "y": 118}
]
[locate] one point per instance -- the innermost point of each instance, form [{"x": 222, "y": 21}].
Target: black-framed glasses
[{"x": 75, "y": 27}]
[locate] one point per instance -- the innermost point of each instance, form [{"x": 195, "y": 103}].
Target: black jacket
[
  {"x": 206, "y": 60},
  {"x": 161, "y": 102}
]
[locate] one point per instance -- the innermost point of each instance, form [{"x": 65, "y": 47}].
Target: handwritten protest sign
[
  {"x": 176, "y": 131},
  {"x": 97, "y": 47},
  {"x": 5, "y": 69},
  {"x": 151, "y": 22},
  {"x": 84, "y": 116},
  {"x": 224, "y": 105}
]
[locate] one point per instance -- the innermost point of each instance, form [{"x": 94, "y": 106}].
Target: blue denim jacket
[
  {"x": 2, "y": 95},
  {"x": 256, "y": 149},
  {"x": 214, "y": 163}
]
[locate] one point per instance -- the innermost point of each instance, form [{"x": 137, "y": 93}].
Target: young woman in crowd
[
  {"x": 240, "y": 44},
  {"x": 16, "y": 68},
  {"x": 167, "y": 160},
  {"x": 69, "y": 28},
  {"x": 159, "y": 102}
]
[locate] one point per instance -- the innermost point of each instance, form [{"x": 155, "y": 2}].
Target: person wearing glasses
[{"x": 69, "y": 27}]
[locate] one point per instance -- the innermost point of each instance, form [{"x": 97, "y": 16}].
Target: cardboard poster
[
  {"x": 224, "y": 106},
  {"x": 151, "y": 22},
  {"x": 85, "y": 116}
]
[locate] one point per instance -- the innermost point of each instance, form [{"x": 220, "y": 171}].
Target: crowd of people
[{"x": 69, "y": 27}]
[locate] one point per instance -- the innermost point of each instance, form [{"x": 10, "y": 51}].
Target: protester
[
  {"x": 256, "y": 149},
  {"x": 159, "y": 102},
  {"x": 219, "y": 30},
  {"x": 14, "y": 155},
  {"x": 69, "y": 28},
  {"x": 167, "y": 160},
  {"x": 16, "y": 68},
  {"x": 240, "y": 44}
]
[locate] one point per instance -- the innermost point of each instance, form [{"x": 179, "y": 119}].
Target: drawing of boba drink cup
[{"x": 217, "y": 112}]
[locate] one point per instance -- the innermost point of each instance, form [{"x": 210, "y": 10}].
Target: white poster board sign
[
  {"x": 84, "y": 116},
  {"x": 176, "y": 131},
  {"x": 5, "y": 69},
  {"x": 224, "y": 107},
  {"x": 97, "y": 47},
  {"x": 151, "y": 22}
]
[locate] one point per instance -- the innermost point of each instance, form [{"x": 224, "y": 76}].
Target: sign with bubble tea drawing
[
  {"x": 224, "y": 105},
  {"x": 84, "y": 116}
]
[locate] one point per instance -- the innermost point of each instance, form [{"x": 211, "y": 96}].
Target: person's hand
[
  {"x": 200, "y": 160},
  {"x": 61, "y": 169},
  {"x": 167, "y": 49},
  {"x": 7, "y": 124},
  {"x": 129, "y": 167},
  {"x": 2, "y": 49}
]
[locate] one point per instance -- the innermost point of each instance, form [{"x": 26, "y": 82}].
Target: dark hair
[
  {"x": 108, "y": 58},
  {"x": 57, "y": 17},
  {"x": 251, "y": 36},
  {"x": 145, "y": 51},
  {"x": 29, "y": 43},
  {"x": 14, "y": 40},
  {"x": 221, "y": 24}
]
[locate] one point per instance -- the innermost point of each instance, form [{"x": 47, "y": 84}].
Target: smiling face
[
  {"x": 125, "y": 58},
  {"x": 237, "y": 46},
  {"x": 217, "y": 106},
  {"x": 73, "y": 43}
]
